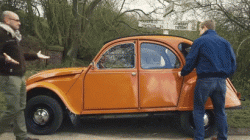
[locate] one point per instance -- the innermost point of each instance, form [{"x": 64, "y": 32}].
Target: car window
[
  {"x": 119, "y": 56},
  {"x": 154, "y": 56},
  {"x": 184, "y": 48}
]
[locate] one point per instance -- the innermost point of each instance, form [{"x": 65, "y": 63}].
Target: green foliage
[
  {"x": 7, "y": 5},
  {"x": 107, "y": 23},
  {"x": 31, "y": 44},
  {"x": 59, "y": 19},
  {"x": 239, "y": 118},
  {"x": 192, "y": 35},
  {"x": 55, "y": 48},
  {"x": 236, "y": 35},
  {"x": 86, "y": 31}
]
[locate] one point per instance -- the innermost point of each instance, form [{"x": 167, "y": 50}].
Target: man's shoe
[
  {"x": 31, "y": 138},
  {"x": 214, "y": 138}
]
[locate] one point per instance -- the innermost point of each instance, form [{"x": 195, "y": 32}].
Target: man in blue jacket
[{"x": 214, "y": 60}]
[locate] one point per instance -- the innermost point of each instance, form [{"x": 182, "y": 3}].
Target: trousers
[
  {"x": 13, "y": 91},
  {"x": 215, "y": 88}
]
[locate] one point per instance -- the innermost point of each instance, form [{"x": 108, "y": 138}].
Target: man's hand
[
  {"x": 179, "y": 74},
  {"x": 41, "y": 56},
  {"x": 9, "y": 59}
]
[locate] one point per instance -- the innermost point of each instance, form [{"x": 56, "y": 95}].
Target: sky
[
  {"x": 149, "y": 5},
  {"x": 146, "y": 5}
]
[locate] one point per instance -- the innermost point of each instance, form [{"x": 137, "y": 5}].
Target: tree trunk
[
  {"x": 72, "y": 53},
  {"x": 30, "y": 17}
]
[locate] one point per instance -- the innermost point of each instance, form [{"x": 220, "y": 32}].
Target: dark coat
[{"x": 10, "y": 46}]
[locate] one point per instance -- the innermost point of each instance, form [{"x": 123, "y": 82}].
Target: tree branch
[
  {"x": 222, "y": 9},
  {"x": 122, "y": 6},
  {"x": 129, "y": 26}
]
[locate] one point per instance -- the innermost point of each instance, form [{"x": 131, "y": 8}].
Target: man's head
[
  {"x": 206, "y": 25},
  {"x": 10, "y": 18}
]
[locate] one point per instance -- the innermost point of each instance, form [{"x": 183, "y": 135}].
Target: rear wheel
[
  {"x": 43, "y": 114},
  {"x": 187, "y": 123}
]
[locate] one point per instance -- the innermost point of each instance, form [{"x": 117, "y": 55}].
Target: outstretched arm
[
  {"x": 41, "y": 56},
  {"x": 32, "y": 56}
]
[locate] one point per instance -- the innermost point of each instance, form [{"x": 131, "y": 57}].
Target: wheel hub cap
[
  {"x": 41, "y": 116},
  {"x": 206, "y": 120}
]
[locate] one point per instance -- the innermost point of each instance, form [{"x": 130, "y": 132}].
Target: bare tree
[{"x": 82, "y": 17}]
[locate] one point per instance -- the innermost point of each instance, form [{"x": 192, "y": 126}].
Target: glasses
[{"x": 17, "y": 20}]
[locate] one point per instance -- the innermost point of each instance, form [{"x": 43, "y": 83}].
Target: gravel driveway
[{"x": 120, "y": 129}]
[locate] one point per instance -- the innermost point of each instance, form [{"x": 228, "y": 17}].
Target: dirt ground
[{"x": 122, "y": 129}]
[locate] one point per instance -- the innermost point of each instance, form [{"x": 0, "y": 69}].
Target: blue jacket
[{"x": 212, "y": 56}]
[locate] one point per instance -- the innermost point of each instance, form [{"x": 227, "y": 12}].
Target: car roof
[
  {"x": 172, "y": 41},
  {"x": 147, "y": 36}
]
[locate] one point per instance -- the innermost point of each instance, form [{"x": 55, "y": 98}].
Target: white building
[{"x": 168, "y": 24}]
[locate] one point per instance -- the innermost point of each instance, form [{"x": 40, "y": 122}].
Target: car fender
[
  {"x": 186, "y": 101},
  {"x": 187, "y": 94},
  {"x": 56, "y": 90}
]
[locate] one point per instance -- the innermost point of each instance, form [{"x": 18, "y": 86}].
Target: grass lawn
[{"x": 240, "y": 118}]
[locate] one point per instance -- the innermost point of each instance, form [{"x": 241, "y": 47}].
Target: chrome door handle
[{"x": 133, "y": 73}]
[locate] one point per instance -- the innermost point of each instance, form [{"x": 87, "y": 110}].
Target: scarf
[{"x": 15, "y": 34}]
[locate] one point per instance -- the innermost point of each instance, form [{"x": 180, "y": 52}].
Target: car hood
[{"x": 54, "y": 73}]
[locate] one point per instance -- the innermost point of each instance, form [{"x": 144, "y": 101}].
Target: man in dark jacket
[
  {"x": 214, "y": 60},
  {"x": 12, "y": 80}
]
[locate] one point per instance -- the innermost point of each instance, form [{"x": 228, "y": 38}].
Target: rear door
[{"x": 159, "y": 83}]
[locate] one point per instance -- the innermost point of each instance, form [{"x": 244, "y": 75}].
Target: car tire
[
  {"x": 43, "y": 115},
  {"x": 187, "y": 123}
]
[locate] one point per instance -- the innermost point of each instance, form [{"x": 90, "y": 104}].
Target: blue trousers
[{"x": 215, "y": 88}]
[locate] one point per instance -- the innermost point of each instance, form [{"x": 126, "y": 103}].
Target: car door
[
  {"x": 159, "y": 83},
  {"x": 113, "y": 83}
]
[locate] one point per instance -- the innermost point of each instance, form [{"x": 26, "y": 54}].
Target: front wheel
[
  {"x": 43, "y": 114},
  {"x": 187, "y": 123}
]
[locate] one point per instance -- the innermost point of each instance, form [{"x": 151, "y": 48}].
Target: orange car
[{"x": 130, "y": 77}]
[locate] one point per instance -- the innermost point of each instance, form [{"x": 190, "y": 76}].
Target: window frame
[
  {"x": 118, "y": 44},
  {"x": 167, "y": 47}
]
